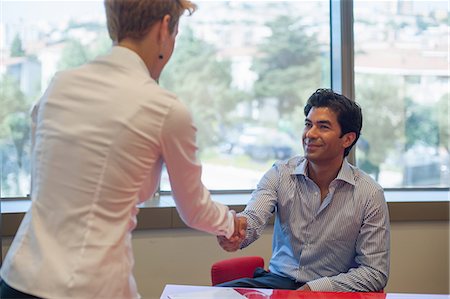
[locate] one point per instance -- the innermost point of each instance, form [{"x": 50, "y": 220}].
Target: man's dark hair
[{"x": 348, "y": 112}]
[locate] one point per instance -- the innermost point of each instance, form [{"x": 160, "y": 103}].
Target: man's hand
[
  {"x": 234, "y": 243},
  {"x": 240, "y": 227},
  {"x": 304, "y": 287}
]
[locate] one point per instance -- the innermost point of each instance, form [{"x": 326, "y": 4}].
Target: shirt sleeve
[
  {"x": 372, "y": 253},
  {"x": 193, "y": 200},
  {"x": 262, "y": 205},
  {"x": 34, "y": 115},
  {"x": 34, "y": 119}
]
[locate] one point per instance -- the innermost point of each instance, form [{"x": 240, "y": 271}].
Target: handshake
[{"x": 240, "y": 231}]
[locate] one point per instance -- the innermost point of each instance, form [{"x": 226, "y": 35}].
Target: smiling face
[{"x": 322, "y": 140}]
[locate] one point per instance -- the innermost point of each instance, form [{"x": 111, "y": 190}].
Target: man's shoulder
[
  {"x": 289, "y": 164},
  {"x": 364, "y": 179}
]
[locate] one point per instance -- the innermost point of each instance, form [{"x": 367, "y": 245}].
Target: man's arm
[
  {"x": 257, "y": 213},
  {"x": 232, "y": 244},
  {"x": 304, "y": 287},
  {"x": 372, "y": 254}
]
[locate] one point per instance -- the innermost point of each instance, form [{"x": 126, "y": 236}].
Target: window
[
  {"x": 261, "y": 61},
  {"x": 245, "y": 69},
  {"x": 402, "y": 83}
]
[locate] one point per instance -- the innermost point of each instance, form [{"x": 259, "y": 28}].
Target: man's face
[{"x": 321, "y": 136}]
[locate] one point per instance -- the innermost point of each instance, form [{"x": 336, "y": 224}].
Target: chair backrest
[{"x": 234, "y": 268}]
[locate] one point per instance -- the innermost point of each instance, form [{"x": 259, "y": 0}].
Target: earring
[{"x": 160, "y": 56}]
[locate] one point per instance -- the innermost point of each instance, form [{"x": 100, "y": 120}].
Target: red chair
[
  {"x": 238, "y": 267},
  {"x": 234, "y": 268}
]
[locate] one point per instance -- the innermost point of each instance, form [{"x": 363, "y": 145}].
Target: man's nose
[{"x": 311, "y": 133}]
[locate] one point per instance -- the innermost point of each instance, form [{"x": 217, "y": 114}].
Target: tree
[
  {"x": 12, "y": 101},
  {"x": 288, "y": 65},
  {"x": 203, "y": 82},
  {"x": 444, "y": 121},
  {"x": 76, "y": 53},
  {"x": 73, "y": 55},
  {"x": 14, "y": 134},
  {"x": 16, "y": 47},
  {"x": 421, "y": 125},
  {"x": 383, "y": 115},
  {"x": 19, "y": 125}
]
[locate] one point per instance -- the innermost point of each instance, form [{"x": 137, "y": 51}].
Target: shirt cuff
[
  {"x": 322, "y": 284},
  {"x": 230, "y": 232}
]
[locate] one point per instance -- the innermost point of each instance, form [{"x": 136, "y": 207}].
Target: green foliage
[
  {"x": 12, "y": 101},
  {"x": 19, "y": 125},
  {"x": 288, "y": 65},
  {"x": 421, "y": 125},
  {"x": 16, "y": 47},
  {"x": 14, "y": 133},
  {"x": 76, "y": 54},
  {"x": 383, "y": 115},
  {"x": 203, "y": 82},
  {"x": 73, "y": 55},
  {"x": 444, "y": 121}
]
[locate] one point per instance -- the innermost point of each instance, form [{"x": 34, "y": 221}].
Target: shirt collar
[
  {"x": 301, "y": 168},
  {"x": 345, "y": 173},
  {"x": 129, "y": 59}
]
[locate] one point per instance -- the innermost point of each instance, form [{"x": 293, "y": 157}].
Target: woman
[{"x": 101, "y": 134}]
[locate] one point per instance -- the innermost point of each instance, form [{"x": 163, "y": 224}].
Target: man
[{"x": 331, "y": 229}]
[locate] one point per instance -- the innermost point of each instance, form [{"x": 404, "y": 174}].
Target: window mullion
[{"x": 342, "y": 60}]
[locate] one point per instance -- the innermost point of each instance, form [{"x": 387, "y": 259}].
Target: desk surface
[{"x": 205, "y": 292}]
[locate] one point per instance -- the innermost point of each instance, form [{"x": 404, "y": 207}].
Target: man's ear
[{"x": 348, "y": 139}]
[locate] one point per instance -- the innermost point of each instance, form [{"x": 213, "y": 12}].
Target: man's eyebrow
[
  {"x": 327, "y": 122},
  {"x": 320, "y": 122}
]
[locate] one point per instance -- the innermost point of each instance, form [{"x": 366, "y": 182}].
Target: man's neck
[{"x": 323, "y": 173}]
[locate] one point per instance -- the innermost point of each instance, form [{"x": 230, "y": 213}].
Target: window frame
[{"x": 342, "y": 81}]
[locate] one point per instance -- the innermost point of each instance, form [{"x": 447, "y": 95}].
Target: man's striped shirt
[{"x": 341, "y": 244}]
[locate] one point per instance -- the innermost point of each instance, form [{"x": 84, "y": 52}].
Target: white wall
[{"x": 419, "y": 258}]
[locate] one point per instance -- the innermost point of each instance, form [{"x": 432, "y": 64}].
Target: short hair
[
  {"x": 349, "y": 114},
  {"x": 134, "y": 18}
]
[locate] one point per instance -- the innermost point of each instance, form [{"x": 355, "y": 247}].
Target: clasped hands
[{"x": 234, "y": 242}]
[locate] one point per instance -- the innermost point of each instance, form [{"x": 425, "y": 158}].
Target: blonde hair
[{"x": 134, "y": 18}]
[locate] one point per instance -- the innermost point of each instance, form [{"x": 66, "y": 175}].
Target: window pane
[
  {"x": 245, "y": 69},
  {"x": 402, "y": 83},
  {"x": 38, "y": 38}
]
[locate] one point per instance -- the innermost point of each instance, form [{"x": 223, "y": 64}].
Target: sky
[
  {"x": 55, "y": 10},
  {"x": 51, "y": 11}
]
